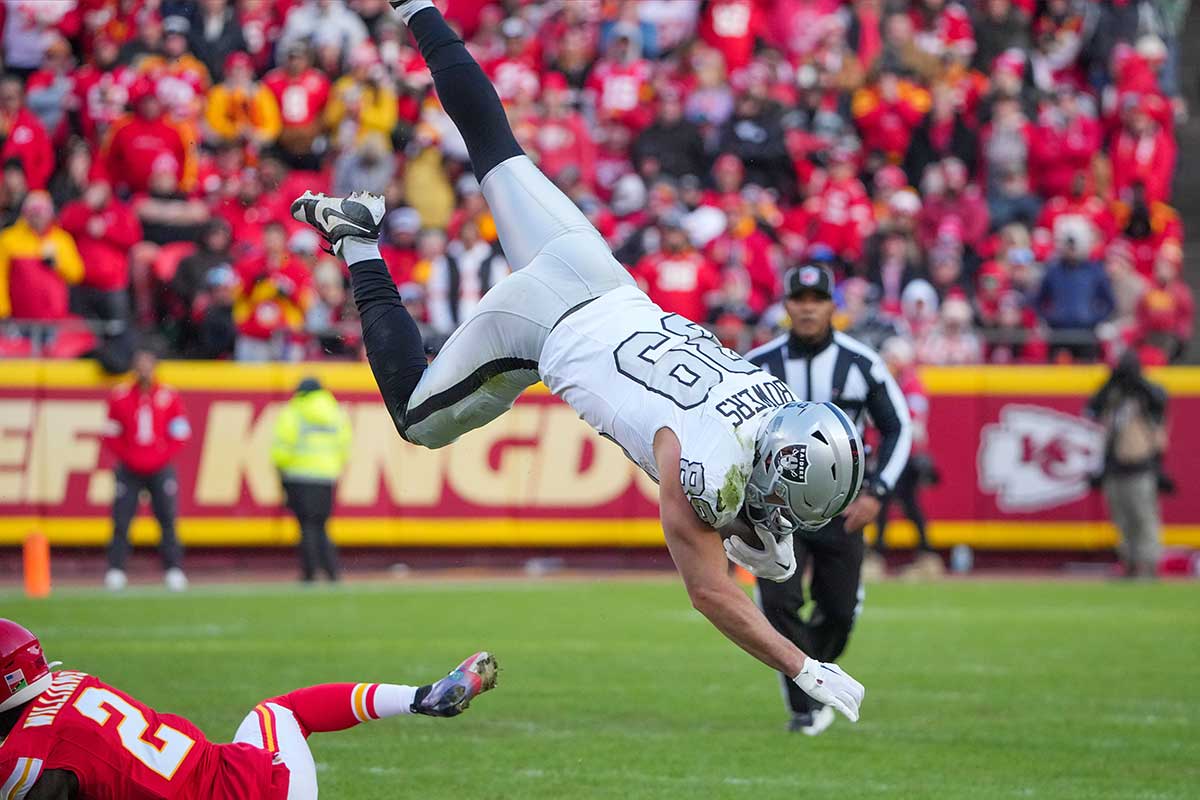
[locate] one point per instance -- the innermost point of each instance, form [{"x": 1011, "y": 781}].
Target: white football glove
[
  {"x": 776, "y": 561},
  {"x": 828, "y": 684}
]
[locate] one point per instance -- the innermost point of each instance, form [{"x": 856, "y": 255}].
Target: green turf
[{"x": 618, "y": 690}]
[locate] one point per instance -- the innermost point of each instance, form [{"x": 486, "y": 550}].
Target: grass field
[{"x": 616, "y": 689}]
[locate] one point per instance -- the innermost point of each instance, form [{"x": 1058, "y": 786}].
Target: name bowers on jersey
[{"x": 745, "y": 404}]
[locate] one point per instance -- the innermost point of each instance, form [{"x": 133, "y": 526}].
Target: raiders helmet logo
[{"x": 792, "y": 462}]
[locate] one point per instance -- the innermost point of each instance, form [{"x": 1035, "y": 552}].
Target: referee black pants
[
  {"x": 312, "y": 503},
  {"x": 164, "y": 495},
  {"x": 836, "y": 560}
]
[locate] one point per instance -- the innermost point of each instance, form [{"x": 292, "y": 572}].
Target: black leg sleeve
[
  {"x": 391, "y": 337},
  {"x": 466, "y": 93}
]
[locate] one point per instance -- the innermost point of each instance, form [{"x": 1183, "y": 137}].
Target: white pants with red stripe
[{"x": 273, "y": 727}]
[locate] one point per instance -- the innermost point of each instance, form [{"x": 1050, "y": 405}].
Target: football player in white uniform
[{"x": 731, "y": 449}]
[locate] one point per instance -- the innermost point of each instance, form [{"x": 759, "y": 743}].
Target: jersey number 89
[{"x": 683, "y": 362}]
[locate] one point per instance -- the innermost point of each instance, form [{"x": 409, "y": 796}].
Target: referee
[{"x": 823, "y": 365}]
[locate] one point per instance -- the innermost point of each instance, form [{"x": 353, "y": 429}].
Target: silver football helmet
[{"x": 808, "y": 466}]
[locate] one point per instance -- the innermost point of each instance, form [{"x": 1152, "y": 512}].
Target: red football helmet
[{"x": 23, "y": 667}]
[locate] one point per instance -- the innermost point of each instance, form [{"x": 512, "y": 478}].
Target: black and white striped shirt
[{"x": 845, "y": 371}]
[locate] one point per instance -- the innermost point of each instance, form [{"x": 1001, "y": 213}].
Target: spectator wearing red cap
[
  {"x": 22, "y": 135},
  {"x": 215, "y": 34},
  {"x": 105, "y": 230},
  {"x": 562, "y": 138},
  {"x": 242, "y": 110},
  {"x": 38, "y": 261},
  {"x": 1166, "y": 311},
  {"x": 886, "y": 111},
  {"x": 1144, "y": 151},
  {"x": 141, "y": 142},
  {"x": 677, "y": 277}
]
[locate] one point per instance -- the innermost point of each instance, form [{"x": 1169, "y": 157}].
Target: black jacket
[{"x": 678, "y": 148}]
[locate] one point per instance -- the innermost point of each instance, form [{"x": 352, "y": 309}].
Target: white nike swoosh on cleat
[{"x": 333, "y": 211}]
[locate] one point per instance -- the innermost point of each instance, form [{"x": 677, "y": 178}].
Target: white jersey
[{"x": 629, "y": 369}]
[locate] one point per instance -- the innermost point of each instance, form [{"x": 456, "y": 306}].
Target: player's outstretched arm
[
  {"x": 55, "y": 784},
  {"x": 700, "y": 558}
]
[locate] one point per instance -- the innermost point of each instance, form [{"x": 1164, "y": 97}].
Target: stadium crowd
[{"x": 991, "y": 181}]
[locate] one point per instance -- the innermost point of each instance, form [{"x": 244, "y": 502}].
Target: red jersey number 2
[{"x": 99, "y": 705}]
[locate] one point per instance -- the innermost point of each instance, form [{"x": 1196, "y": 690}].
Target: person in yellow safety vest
[{"x": 310, "y": 450}]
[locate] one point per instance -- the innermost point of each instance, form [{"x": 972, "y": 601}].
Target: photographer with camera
[{"x": 1133, "y": 411}]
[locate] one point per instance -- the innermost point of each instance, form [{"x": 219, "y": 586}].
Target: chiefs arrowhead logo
[{"x": 1036, "y": 458}]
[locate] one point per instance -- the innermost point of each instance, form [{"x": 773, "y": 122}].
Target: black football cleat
[
  {"x": 335, "y": 218},
  {"x": 450, "y": 696}
]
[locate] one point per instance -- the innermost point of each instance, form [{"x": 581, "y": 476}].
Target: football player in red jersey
[{"x": 67, "y": 735}]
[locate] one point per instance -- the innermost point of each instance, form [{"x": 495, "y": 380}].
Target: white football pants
[
  {"x": 289, "y": 743},
  {"x": 559, "y": 263}
]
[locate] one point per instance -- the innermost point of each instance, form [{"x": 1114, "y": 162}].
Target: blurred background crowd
[{"x": 990, "y": 181}]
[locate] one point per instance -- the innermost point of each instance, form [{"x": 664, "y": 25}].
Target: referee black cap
[{"x": 808, "y": 278}]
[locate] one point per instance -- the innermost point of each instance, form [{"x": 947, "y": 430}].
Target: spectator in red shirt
[
  {"x": 302, "y": 92},
  {"x": 1143, "y": 151},
  {"x": 960, "y": 202},
  {"x": 515, "y": 72},
  {"x": 620, "y": 85},
  {"x": 102, "y": 89},
  {"x": 678, "y": 278},
  {"x": 743, "y": 254},
  {"x": 399, "y": 245},
  {"x": 562, "y": 138},
  {"x": 886, "y": 112},
  {"x": 732, "y": 27},
  {"x": 276, "y": 292},
  {"x": 1064, "y": 143},
  {"x": 141, "y": 142},
  {"x": 1166, "y": 311},
  {"x": 146, "y": 429},
  {"x": 22, "y": 136},
  {"x": 105, "y": 230}
]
